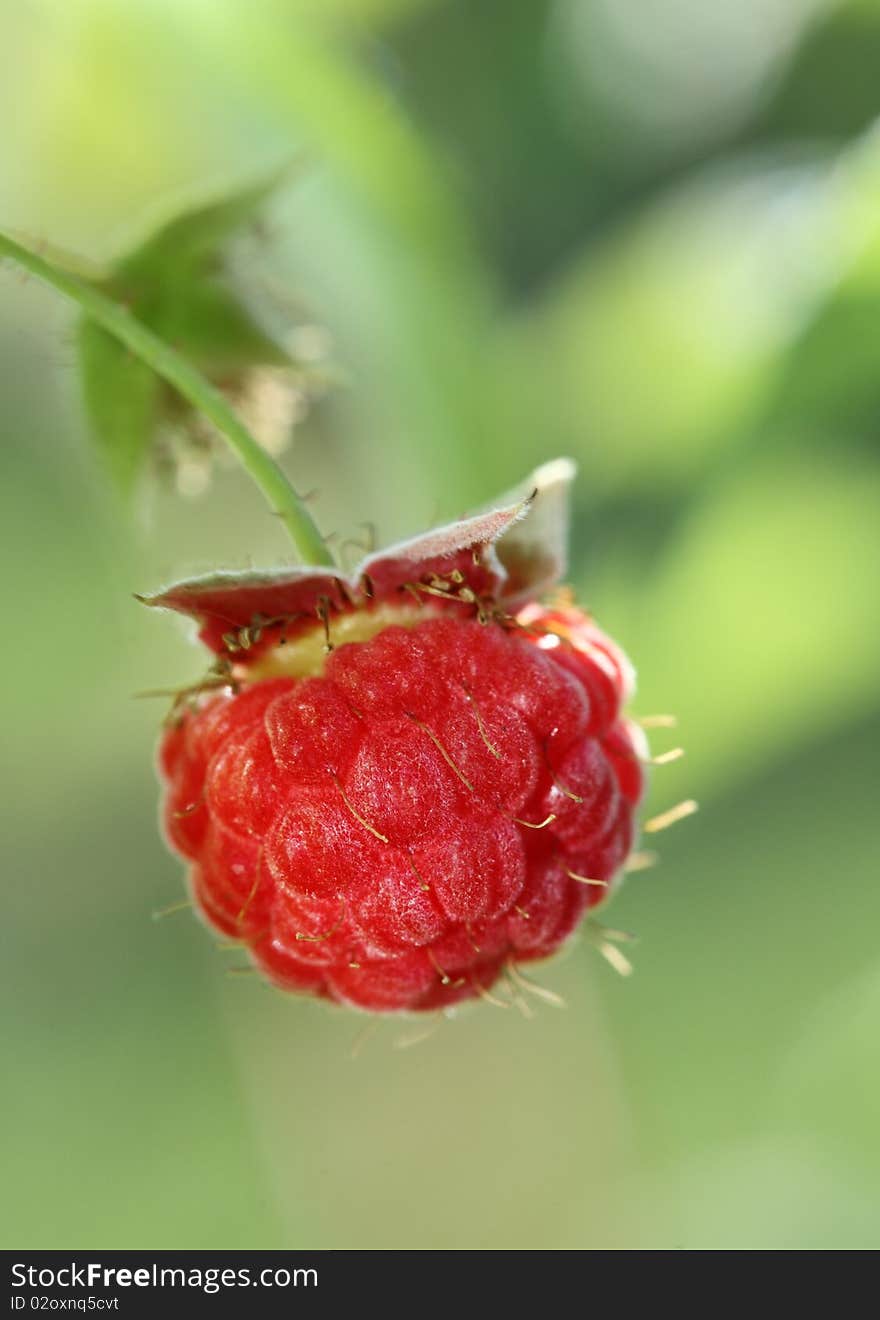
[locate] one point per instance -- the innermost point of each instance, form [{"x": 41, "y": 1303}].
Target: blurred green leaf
[
  {"x": 653, "y": 352},
  {"x": 761, "y": 628},
  {"x": 206, "y": 321},
  {"x": 177, "y": 284},
  {"x": 830, "y": 87},
  {"x": 195, "y": 235},
  {"x": 121, "y": 396},
  {"x": 828, "y": 383}
]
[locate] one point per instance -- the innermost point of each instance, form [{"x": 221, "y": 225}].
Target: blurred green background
[{"x": 644, "y": 235}]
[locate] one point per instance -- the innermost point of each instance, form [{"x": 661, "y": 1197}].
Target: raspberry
[{"x": 398, "y": 786}]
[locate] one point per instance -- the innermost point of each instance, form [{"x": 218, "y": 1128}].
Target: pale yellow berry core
[{"x": 305, "y": 654}]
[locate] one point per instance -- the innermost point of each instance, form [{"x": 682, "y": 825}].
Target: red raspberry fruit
[{"x": 407, "y": 782}]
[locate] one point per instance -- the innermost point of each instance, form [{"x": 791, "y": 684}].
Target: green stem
[{"x": 167, "y": 363}]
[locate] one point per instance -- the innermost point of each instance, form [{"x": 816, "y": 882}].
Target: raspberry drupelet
[{"x": 400, "y": 785}]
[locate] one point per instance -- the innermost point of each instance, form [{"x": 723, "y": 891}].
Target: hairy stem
[{"x": 167, "y": 363}]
